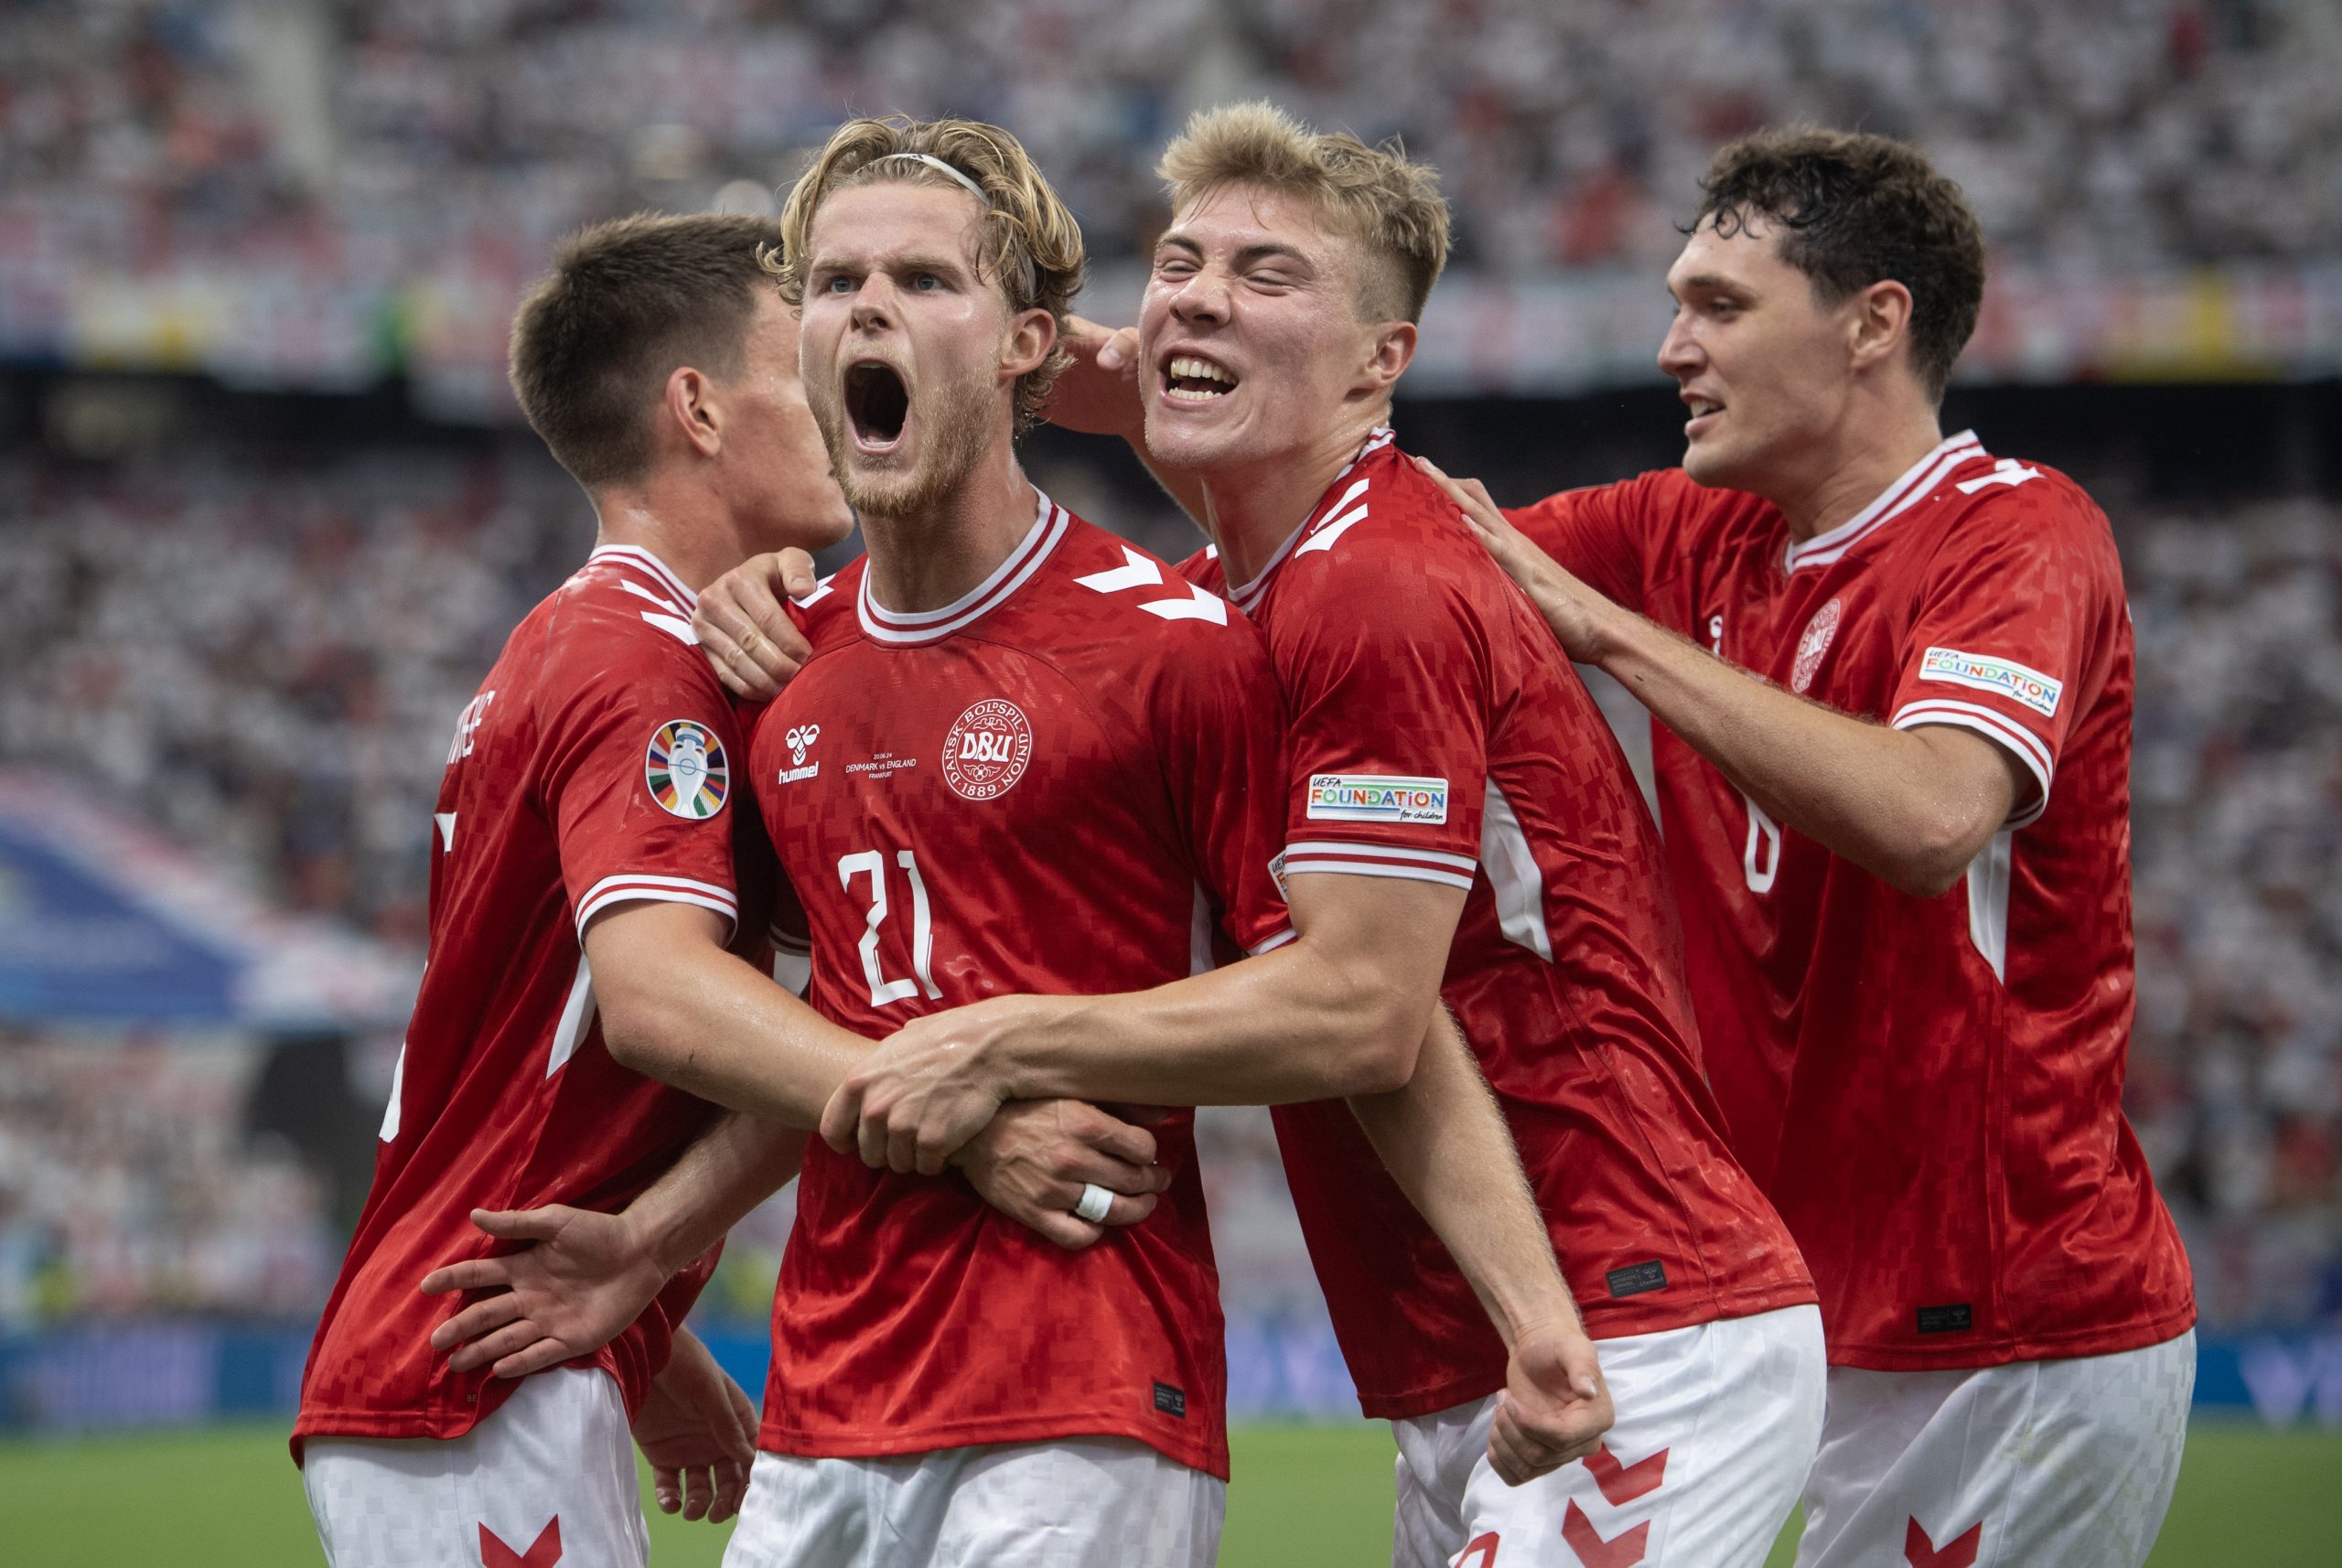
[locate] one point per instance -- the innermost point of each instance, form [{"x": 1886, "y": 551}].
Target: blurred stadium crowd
[
  {"x": 349, "y": 145},
  {"x": 267, "y": 663}
]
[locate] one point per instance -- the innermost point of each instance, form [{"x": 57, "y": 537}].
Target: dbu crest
[{"x": 986, "y": 750}]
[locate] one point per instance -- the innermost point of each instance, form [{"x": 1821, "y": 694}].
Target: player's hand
[
  {"x": 1099, "y": 392},
  {"x": 699, "y": 1432},
  {"x": 585, "y": 1277},
  {"x": 1555, "y": 1408},
  {"x": 1034, "y": 1157},
  {"x": 930, "y": 1086},
  {"x": 744, "y": 629},
  {"x": 1575, "y": 612}
]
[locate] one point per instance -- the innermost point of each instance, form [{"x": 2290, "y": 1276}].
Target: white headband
[{"x": 974, "y": 188}]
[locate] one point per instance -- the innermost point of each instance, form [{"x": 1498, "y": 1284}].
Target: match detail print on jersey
[{"x": 686, "y": 767}]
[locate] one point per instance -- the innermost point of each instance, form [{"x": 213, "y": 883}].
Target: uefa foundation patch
[
  {"x": 1376, "y": 797},
  {"x": 686, "y": 770}
]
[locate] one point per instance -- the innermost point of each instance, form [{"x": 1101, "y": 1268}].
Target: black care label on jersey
[
  {"x": 1953, "y": 1320},
  {"x": 1170, "y": 1400},
  {"x": 1637, "y": 1278}
]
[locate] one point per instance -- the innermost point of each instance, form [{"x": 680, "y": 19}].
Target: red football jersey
[
  {"x": 1438, "y": 734},
  {"x": 1929, "y": 1089},
  {"x": 1066, "y": 782},
  {"x": 593, "y": 770}
]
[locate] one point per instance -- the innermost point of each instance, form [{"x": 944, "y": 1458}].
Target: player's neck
[
  {"x": 1847, "y": 474},
  {"x": 1252, "y": 508},
  {"x": 694, "y": 536},
  {"x": 925, "y": 559}
]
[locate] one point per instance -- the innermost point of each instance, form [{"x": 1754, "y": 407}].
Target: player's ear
[
  {"x": 1032, "y": 335},
  {"x": 1878, "y": 321},
  {"x": 1392, "y": 350},
  {"x": 689, "y": 409}
]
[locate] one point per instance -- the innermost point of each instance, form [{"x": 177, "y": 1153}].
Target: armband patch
[
  {"x": 1376, "y": 797},
  {"x": 2004, "y": 677}
]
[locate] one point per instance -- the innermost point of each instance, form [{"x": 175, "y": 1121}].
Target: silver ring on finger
[{"x": 1095, "y": 1202}]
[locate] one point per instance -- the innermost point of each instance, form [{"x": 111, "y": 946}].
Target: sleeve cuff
[
  {"x": 2011, "y": 736},
  {"x": 635, "y": 887},
  {"x": 1272, "y": 944},
  {"x": 1349, "y": 858}
]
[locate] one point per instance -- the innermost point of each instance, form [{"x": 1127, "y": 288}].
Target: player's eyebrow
[
  {"x": 1265, "y": 249},
  {"x": 1707, "y": 282}
]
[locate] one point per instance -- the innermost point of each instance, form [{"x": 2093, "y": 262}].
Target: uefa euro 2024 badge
[{"x": 686, "y": 770}]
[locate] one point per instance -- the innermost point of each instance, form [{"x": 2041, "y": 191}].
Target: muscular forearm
[
  {"x": 1288, "y": 1026},
  {"x": 1893, "y": 801},
  {"x": 1445, "y": 1142},
  {"x": 734, "y": 1165},
  {"x": 694, "y": 1015}
]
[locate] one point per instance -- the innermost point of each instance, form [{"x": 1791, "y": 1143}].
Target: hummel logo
[{"x": 801, "y": 740}]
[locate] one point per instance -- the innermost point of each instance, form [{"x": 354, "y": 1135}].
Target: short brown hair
[
  {"x": 1382, "y": 198},
  {"x": 626, "y": 303},
  {"x": 1856, "y": 210},
  {"x": 1031, "y": 245}
]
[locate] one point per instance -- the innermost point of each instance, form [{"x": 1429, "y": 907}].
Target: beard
[{"x": 954, "y": 420}]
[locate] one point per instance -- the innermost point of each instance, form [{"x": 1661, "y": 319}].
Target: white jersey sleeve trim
[
  {"x": 1257, "y": 948},
  {"x": 1380, "y": 860},
  {"x": 2012, "y": 737},
  {"x": 1462, "y": 863},
  {"x": 632, "y": 889}
]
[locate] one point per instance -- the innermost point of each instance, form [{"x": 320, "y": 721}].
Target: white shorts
[
  {"x": 2067, "y": 1462},
  {"x": 548, "y": 1478},
  {"x": 1717, "y": 1426},
  {"x": 1074, "y": 1502}
]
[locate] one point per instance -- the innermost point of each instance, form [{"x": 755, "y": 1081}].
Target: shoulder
[
  {"x": 827, "y": 615},
  {"x": 1203, "y": 569},
  {"x": 1119, "y": 617},
  {"x": 610, "y": 627},
  {"x": 1389, "y": 550},
  {"x": 1995, "y": 501},
  {"x": 1101, "y": 578}
]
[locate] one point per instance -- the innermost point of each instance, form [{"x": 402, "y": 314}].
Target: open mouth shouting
[
  {"x": 1190, "y": 379},
  {"x": 877, "y": 404}
]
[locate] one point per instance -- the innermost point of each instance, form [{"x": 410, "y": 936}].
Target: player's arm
[
  {"x": 1913, "y": 807},
  {"x": 677, "y": 1006},
  {"x": 583, "y": 1276},
  {"x": 1340, "y": 1010},
  {"x": 1099, "y": 394},
  {"x": 1445, "y": 1142}
]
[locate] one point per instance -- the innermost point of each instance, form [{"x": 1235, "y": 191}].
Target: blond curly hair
[{"x": 1031, "y": 245}]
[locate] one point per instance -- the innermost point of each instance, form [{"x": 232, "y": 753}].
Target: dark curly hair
[{"x": 1854, "y": 209}]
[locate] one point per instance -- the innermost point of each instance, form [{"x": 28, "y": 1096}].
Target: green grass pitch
[{"x": 1306, "y": 1496}]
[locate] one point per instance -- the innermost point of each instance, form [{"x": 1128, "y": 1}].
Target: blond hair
[
  {"x": 1386, "y": 201},
  {"x": 1031, "y": 246}
]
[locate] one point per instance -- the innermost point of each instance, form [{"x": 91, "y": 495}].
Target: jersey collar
[
  {"x": 636, "y": 558},
  {"x": 1918, "y": 483},
  {"x": 1247, "y": 595},
  {"x": 903, "y": 630}
]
